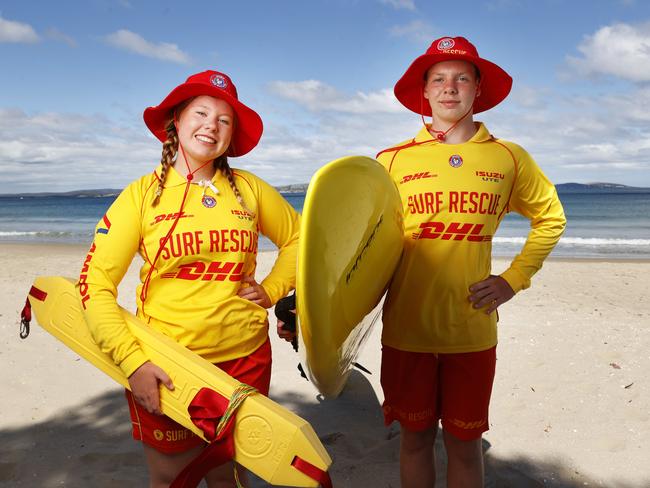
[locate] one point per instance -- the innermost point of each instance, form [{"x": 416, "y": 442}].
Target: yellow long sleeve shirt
[
  {"x": 454, "y": 197},
  {"x": 192, "y": 292}
]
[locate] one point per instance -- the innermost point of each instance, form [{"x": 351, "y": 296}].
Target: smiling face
[
  {"x": 450, "y": 88},
  {"x": 205, "y": 127}
]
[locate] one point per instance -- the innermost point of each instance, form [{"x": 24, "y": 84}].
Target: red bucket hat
[
  {"x": 249, "y": 126},
  {"x": 495, "y": 82}
]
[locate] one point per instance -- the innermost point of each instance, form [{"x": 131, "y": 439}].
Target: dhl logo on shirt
[
  {"x": 456, "y": 231},
  {"x": 170, "y": 216},
  {"x": 214, "y": 271},
  {"x": 417, "y": 176}
]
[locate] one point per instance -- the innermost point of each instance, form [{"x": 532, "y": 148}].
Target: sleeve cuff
[
  {"x": 515, "y": 279},
  {"x": 133, "y": 362},
  {"x": 272, "y": 291}
]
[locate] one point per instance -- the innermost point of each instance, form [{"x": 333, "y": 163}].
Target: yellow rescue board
[
  {"x": 351, "y": 239},
  {"x": 267, "y": 436}
]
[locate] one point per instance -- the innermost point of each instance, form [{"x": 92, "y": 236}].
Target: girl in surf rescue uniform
[
  {"x": 456, "y": 182},
  {"x": 195, "y": 222}
]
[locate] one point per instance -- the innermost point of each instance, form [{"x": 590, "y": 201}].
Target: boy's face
[{"x": 451, "y": 87}]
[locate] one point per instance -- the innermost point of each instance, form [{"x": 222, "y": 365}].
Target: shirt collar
[
  {"x": 174, "y": 178},
  {"x": 482, "y": 134}
]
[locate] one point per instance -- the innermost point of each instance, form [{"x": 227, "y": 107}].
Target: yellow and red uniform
[
  {"x": 454, "y": 197},
  {"x": 192, "y": 293}
]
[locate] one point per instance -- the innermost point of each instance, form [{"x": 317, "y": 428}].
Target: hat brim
[
  {"x": 495, "y": 83},
  {"x": 248, "y": 129}
]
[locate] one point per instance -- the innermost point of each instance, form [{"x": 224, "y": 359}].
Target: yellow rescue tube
[
  {"x": 267, "y": 435},
  {"x": 351, "y": 239}
]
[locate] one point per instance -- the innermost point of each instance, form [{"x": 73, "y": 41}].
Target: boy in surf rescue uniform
[
  {"x": 195, "y": 222},
  {"x": 456, "y": 181}
]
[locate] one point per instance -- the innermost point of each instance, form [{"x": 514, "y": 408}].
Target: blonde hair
[{"x": 169, "y": 153}]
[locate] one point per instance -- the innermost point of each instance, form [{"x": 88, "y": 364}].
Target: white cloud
[
  {"x": 528, "y": 97},
  {"x": 60, "y": 152},
  {"x": 621, "y": 50},
  {"x": 590, "y": 138},
  {"x": 130, "y": 41},
  {"x": 57, "y": 35},
  {"x": 416, "y": 30},
  {"x": 400, "y": 4},
  {"x": 318, "y": 96},
  {"x": 12, "y": 31},
  {"x": 295, "y": 150},
  {"x": 635, "y": 105}
]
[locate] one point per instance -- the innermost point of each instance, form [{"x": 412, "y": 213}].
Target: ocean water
[{"x": 612, "y": 225}]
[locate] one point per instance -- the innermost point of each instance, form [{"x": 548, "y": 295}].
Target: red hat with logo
[
  {"x": 495, "y": 82},
  {"x": 248, "y": 128}
]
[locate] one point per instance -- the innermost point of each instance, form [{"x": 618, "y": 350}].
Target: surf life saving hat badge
[
  {"x": 248, "y": 128},
  {"x": 495, "y": 82}
]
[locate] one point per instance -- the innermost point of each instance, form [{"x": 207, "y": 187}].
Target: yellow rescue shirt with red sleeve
[
  {"x": 192, "y": 292},
  {"x": 454, "y": 197}
]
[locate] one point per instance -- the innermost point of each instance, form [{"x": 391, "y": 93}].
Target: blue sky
[{"x": 77, "y": 75}]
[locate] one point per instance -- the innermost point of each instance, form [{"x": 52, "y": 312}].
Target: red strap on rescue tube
[
  {"x": 206, "y": 409},
  {"x": 312, "y": 471},
  {"x": 214, "y": 455},
  {"x": 40, "y": 295}
]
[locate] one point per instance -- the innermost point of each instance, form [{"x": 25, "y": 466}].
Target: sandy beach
[{"x": 570, "y": 407}]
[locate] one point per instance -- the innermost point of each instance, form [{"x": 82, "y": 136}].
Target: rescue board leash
[
  {"x": 285, "y": 310},
  {"x": 26, "y": 313}
]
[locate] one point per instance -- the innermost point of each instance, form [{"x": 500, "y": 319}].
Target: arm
[
  {"x": 534, "y": 197},
  {"x": 117, "y": 237},
  {"x": 280, "y": 223}
]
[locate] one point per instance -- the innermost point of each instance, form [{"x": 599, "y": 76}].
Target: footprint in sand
[{"x": 330, "y": 439}]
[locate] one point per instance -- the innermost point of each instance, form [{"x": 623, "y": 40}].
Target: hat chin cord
[
  {"x": 190, "y": 177},
  {"x": 440, "y": 134}
]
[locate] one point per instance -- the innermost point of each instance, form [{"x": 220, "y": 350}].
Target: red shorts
[
  {"x": 422, "y": 388},
  {"x": 169, "y": 437}
]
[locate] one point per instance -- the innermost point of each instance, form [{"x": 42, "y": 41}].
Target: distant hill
[
  {"x": 298, "y": 188},
  {"x": 95, "y": 193},
  {"x": 598, "y": 188},
  {"x": 113, "y": 192},
  {"x": 295, "y": 188}
]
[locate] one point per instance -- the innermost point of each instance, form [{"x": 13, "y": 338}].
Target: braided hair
[
  {"x": 221, "y": 164},
  {"x": 169, "y": 151}
]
